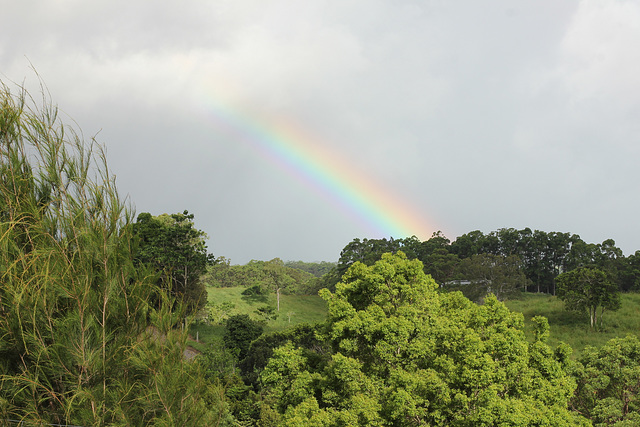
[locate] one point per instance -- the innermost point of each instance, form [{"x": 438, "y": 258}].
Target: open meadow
[
  {"x": 294, "y": 309},
  {"x": 573, "y": 328}
]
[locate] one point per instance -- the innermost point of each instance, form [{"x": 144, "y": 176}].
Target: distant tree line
[
  {"x": 539, "y": 256},
  {"x": 291, "y": 277}
]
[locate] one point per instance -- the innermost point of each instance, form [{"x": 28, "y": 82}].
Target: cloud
[{"x": 480, "y": 115}]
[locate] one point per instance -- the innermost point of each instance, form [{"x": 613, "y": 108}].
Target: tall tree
[
  {"x": 588, "y": 289},
  {"x": 608, "y": 383},
  {"x": 277, "y": 277},
  {"x": 630, "y": 273},
  {"x": 404, "y": 354},
  {"x": 492, "y": 274},
  {"x": 177, "y": 251},
  {"x": 468, "y": 244}
]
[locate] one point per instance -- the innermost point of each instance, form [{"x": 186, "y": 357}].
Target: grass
[
  {"x": 294, "y": 309},
  {"x": 570, "y": 327},
  {"x": 573, "y": 328}
]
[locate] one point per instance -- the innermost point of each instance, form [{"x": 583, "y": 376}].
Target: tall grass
[{"x": 573, "y": 328}]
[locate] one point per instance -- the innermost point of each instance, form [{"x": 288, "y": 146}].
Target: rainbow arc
[{"x": 299, "y": 155}]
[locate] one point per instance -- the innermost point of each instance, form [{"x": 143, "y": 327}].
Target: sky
[{"x": 289, "y": 128}]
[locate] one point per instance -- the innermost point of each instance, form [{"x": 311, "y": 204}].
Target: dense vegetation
[
  {"x": 86, "y": 336},
  {"x": 539, "y": 256},
  {"x": 98, "y": 310}
]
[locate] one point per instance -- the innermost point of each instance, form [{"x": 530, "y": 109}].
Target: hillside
[
  {"x": 573, "y": 328},
  {"x": 294, "y": 309}
]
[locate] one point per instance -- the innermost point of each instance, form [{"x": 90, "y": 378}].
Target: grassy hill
[
  {"x": 573, "y": 328},
  {"x": 294, "y": 309}
]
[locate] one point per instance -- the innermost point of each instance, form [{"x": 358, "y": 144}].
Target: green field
[
  {"x": 573, "y": 328},
  {"x": 294, "y": 309}
]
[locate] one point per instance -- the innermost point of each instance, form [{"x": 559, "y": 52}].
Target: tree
[
  {"x": 80, "y": 342},
  {"x": 499, "y": 275},
  {"x": 403, "y": 354},
  {"x": 468, "y": 244},
  {"x": 630, "y": 273},
  {"x": 441, "y": 265},
  {"x": 608, "y": 386},
  {"x": 278, "y": 277},
  {"x": 177, "y": 251},
  {"x": 239, "y": 331},
  {"x": 587, "y": 289}
]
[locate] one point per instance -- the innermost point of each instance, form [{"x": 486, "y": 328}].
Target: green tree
[
  {"x": 441, "y": 265},
  {"x": 608, "y": 383},
  {"x": 277, "y": 277},
  {"x": 499, "y": 275},
  {"x": 588, "y": 289},
  {"x": 177, "y": 251},
  {"x": 80, "y": 342},
  {"x": 404, "y": 354},
  {"x": 468, "y": 244},
  {"x": 239, "y": 331},
  {"x": 630, "y": 273}
]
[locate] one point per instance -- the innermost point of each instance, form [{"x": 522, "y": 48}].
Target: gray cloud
[{"x": 481, "y": 115}]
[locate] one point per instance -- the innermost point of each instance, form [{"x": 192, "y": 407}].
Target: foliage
[
  {"x": 434, "y": 254},
  {"x": 177, "y": 251},
  {"x": 544, "y": 255},
  {"x": 403, "y": 354},
  {"x": 267, "y": 275},
  {"x": 79, "y": 342},
  {"x": 587, "y": 289},
  {"x": 253, "y": 291},
  {"x": 608, "y": 383},
  {"x": 261, "y": 349},
  {"x": 239, "y": 331},
  {"x": 277, "y": 277},
  {"x": 486, "y": 274},
  {"x": 318, "y": 269},
  {"x": 216, "y": 313},
  {"x": 629, "y": 275}
]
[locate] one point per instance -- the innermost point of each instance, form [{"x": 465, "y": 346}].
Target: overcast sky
[{"x": 472, "y": 115}]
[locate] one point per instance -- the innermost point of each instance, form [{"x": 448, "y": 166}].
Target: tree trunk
[{"x": 278, "y": 298}]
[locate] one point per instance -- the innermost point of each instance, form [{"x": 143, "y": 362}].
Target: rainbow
[{"x": 298, "y": 154}]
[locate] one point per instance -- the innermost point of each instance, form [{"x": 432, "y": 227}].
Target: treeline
[
  {"x": 291, "y": 277},
  {"x": 540, "y": 257}
]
